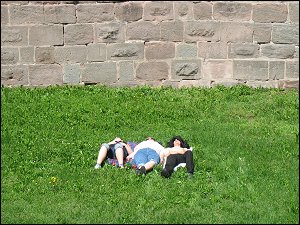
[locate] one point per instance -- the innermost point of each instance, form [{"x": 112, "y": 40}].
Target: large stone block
[
  {"x": 250, "y": 70},
  {"x": 294, "y": 12},
  {"x": 236, "y": 32},
  {"x": 285, "y": 34},
  {"x": 276, "y": 70},
  {"x": 160, "y": 50},
  {"x": 202, "y": 31},
  {"x": 96, "y": 52},
  {"x": 14, "y": 36},
  {"x": 183, "y": 10},
  {"x": 78, "y": 34},
  {"x": 71, "y": 74},
  {"x": 104, "y": 72},
  {"x": 27, "y": 55},
  {"x": 232, "y": 11},
  {"x": 125, "y": 51},
  {"x": 110, "y": 32},
  {"x": 243, "y": 50},
  {"x": 292, "y": 69},
  {"x": 217, "y": 69},
  {"x": 152, "y": 71},
  {"x": 4, "y": 15},
  {"x": 126, "y": 70},
  {"x": 129, "y": 11},
  {"x": 212, "y": 50},
  {"x": 186, "y": 69},
  {"x": 171, "y": 31},
  {"x": 14, "y": 75},
  {"x": 143, "y": 30},
  {"x": 279, "y": 51},
  {"x": 45, "y": 75},
  {"x": 46, "y": 35},
  {"x": 186, "y": 50},
  {"x": 60, "y": 14},
  {"x": 91, "y": 13},
  {"x": 203, "y": 11},
  {"x": 269, "y": 13},
  {"x": 158, "y": 10},
  {"x": 44, "y": 55},
  {"x": 70, "y": 54},
  {"x": 262, "y": 33},
  {"x": 9, "y": 55},
  {"x": 26, "y": 14}
]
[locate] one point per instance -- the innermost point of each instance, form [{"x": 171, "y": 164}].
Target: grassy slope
[{"x": 245, "y": 147}]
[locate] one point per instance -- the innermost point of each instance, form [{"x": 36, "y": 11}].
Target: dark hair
[{"x": 183, "y": 143}]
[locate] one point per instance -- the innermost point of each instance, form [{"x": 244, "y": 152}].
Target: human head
[{"x": 183, "y": 143}]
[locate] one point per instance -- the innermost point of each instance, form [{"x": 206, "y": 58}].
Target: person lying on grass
[
  {"x": 145, "y": 156},
  {"x": 114, "y": 152},
  {"x": 177, "y": 151}
]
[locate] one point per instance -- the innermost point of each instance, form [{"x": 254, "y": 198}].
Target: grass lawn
[{"x": 245, "y": 143}]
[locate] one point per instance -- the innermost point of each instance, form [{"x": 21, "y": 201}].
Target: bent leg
[
  {"x": 189, "y": 161},
  {"x": 120, "y": 156},
  {"x": 102, "y": 154}
]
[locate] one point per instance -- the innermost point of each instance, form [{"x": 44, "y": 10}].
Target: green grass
[{"x": 246, "y": 152}]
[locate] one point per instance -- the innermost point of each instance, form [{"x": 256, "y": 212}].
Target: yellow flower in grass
[{"x": 53, "y": 181}]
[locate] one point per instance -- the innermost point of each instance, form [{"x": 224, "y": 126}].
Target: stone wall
[{"x": 169, "y": 43}]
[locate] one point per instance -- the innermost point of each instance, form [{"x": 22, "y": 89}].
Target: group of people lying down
[{"x": 145, "y": 155}]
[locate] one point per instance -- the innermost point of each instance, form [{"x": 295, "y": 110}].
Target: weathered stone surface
[
  {"x": 285, "y": 34},
  {"x": 262, "y": 33},
  {"x": 4, "y": 14},
  {"x": 70, "y": 54},
  {"x": 90, "y": 13},
  {"x": 203, "y": 11},
  {"x": 160, "y": 50},
  {"x": 294, "y": 12},
  {"x": 125, "y": 51},
  {"x": 110, "y": 32},
  {"x": 186, "y": 69},
  {"x": 14, "y": 75},
  {"x": 183, "y": 10},
  {"x": 46, "y": 35},
  {"x": 292, "y": 69},
  {"x": 212, "y": 50},
  {"x": 236, "y": 32},
  {"x": 79, "y": 34},
  {"x": 143, "y": 30},
  {"x": 279, "y": 51},
  {"x": 202, "y": 31},
  {"x": 45, "y": 75},
  {"x": 129, "y": 11},
  {"x": 269, "y": 13},
  {"x": 243, "y": 50},
  {"x": 171, "y": 31},
  {"x": 26, "y": 55},
  {"x": 186, "y": 50},
  {"x": 14, "y": 36},
  {"x": 60, "y": 14},
  {"x": 232, "y": 11},
  {"x": 44, "y": 55},
  {"x": 158, "y": 10},
  {"x": 152, "y": 71},
  {"x": 126, "y": 70},
  {"x": 71, "y": 74},
  {"x": 25, "y": 14},
  {"x": 9, "y": 55},
  {"x": 250, "y": 70},
  {"x": 104, "y": 72},
  {"x": 217, "y": 69},
  {"x": 276, "y": 70},
  {"x": 96, "y": 52}
]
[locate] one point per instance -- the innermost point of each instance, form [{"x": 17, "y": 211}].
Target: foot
[
  {"x": 190, "y": 176},
  {"x": 164, "y": 173},
  {"x": 97, "y": 166},
  {"x": 140, "y": 171}
]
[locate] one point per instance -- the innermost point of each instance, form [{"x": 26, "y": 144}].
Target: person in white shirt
[{"x": 146, "y": 155}]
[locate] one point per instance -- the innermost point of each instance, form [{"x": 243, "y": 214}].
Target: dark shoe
[
  {"x": 140, "y": 171},
  {"x": 190, "y": 176},
  {"x": 164, "y": 173}
]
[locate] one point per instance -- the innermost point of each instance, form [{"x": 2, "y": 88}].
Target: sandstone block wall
[{"x": 169, "y": 43}]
